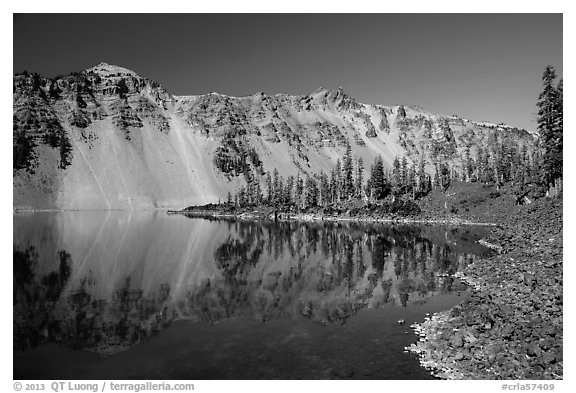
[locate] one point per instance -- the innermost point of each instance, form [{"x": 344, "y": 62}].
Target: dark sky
[{"x": 480, "y": 66}]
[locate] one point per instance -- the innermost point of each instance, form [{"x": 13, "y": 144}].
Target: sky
[{"x": 484, "y": 67}]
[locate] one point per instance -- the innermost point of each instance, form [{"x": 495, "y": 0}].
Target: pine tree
[
  {"x": 378, "y": 185},
  {"x": 445, "y": 175},
  {"x": 288, "y": 190},
  {"x": 311, "y": 192},
  {"x": 338, "y": 188},
  {"x": 270, "y": 191},
  {"x": 298, "y": 191},
  {"x": 397, "y": 177},
  {"x": 421, "y": 180},
  {"x": 550, "y": 126},
  {"x": 369, "y": 185},
  {"x": 522, "y": 174},
  {"x": 411, "y": 182},
  {"x": 324, "y": 189},
  {"x": 437, "y": 181},
  {"x": 275, "y": 186},
  {"x": 359, "y": 178},
  {"x": 279, "y": 192},
  {"x": 249, "y": 187},
  {"x": 468, "y": 166},
  {"x": 347, "y": 174},
  {"x": 560, "y": 105},
  {"x": 242, "y": 196},
  {"x": 257, "y": 192},
  {"x": 483, "y": 165},
  {"x": 536, "y": 163},
  {"x": 558, "y": 137},
  {"x": 333, "y": 186},
  {"x": 396, "y": 173},
  {"x": 404, "y": 172}
]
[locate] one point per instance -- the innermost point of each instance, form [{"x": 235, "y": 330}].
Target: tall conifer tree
[{"x": 550, "y": 125}]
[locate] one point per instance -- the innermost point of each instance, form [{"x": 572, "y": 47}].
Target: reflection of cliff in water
[
  {"x": 104, "y": 281},
  {"x": 45, "y": 312}
]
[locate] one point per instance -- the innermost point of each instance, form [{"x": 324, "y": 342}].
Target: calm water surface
[{"x": 127, "y": 295}]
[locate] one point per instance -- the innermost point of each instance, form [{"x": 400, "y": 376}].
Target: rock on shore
[{"x": 511, "y": 327}]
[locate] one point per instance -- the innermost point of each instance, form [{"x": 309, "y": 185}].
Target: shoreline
[
  {"x": 283, "y": 216},
  {"x": 511, "y": 327},
  {"x": 314, "y": 217}
]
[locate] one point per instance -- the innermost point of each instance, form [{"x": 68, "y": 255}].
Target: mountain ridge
[
  {"x": 112, "y": 67},
  {"x": 107, "y": 138}
]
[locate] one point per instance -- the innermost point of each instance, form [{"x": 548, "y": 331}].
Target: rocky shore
[
  {"x": 511, "y": 326},
  {"x": 218, "y": 212}
]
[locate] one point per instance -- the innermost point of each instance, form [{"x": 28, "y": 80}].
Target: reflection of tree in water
[
  {"x": 35, "y": 298},
  {"x": 45, "y": 312},
  {"x": 421, "y": 267},
  {"x": 267, "y": 273},
  {"x": 322, "y": 271}
]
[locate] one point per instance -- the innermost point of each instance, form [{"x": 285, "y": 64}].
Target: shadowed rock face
[
  {"x": 105, "y": 281},
  {"x": 107, "y": 138}
]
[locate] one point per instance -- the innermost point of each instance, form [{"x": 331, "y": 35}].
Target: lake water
[{"x": 147, "y": 295}]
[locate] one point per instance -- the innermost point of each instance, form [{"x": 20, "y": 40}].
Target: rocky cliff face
[{"x": 106, "y": 138}]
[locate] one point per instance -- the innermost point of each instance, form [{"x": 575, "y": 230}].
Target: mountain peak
[
  {"x": 106, "y": 69},
  {"x": 320, "y": 90}
]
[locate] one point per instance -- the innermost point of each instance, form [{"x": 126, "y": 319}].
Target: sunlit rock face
[
  {"x": 107, "y": 138},
  {"x": 105, "y": 281}
]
